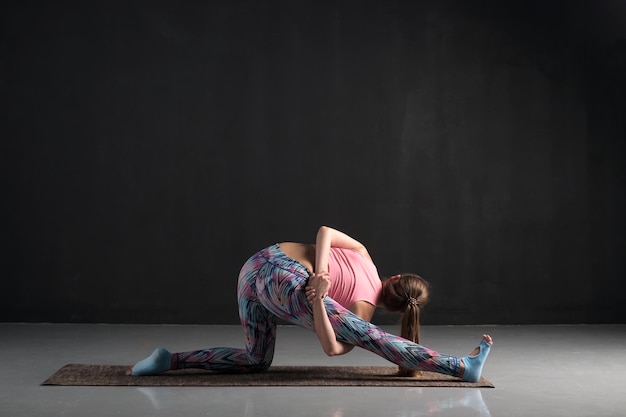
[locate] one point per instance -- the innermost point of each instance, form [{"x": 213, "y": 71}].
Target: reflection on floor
[
  {"x": 537, "y": 371},
  {"x": 428, "y": 404}
]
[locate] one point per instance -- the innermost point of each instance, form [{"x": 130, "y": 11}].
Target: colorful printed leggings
[{"x": 272, "y": 285}]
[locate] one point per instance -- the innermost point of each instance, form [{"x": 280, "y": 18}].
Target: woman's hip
[{"x": 272, "y": 272}]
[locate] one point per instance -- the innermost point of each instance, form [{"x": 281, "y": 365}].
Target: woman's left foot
[
  {"x": 160, "y": 361},
  {"x": 475, "y": 361}
]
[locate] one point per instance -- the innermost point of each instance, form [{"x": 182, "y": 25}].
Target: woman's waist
[{"x": 301, "y": 252}]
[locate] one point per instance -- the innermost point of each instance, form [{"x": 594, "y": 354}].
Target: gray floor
[{"x": 537, "y": 370}]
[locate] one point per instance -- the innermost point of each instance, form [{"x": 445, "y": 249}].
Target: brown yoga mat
[{"x": 379, "y": 376}]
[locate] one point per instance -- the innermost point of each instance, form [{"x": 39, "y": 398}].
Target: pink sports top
[{"x": 353, "y": 277}]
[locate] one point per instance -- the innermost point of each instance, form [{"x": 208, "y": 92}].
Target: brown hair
[{"x": 406, "y": 295}]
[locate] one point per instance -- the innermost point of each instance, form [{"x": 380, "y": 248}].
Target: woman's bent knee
[{"x": 260, "y": 366}]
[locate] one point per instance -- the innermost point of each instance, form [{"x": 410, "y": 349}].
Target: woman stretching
[{"x": 332, "y": 288}]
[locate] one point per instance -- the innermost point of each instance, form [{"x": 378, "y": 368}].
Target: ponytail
[
  {"x": 410, "y": 330},
  {"x": 406, "y": 295}
]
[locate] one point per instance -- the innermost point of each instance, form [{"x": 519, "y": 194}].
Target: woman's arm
[
  {"x": 323, "y": 329},
  {"x": 319, "y": 284},
  {"x": 328, "y": 237}
]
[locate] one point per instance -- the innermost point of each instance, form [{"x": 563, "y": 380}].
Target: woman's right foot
[
  {"x": 475, "y": 361},
  {"x": 160, "y": 361}
]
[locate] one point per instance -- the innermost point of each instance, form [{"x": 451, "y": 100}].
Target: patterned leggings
[{"x": 272, "y": 285}]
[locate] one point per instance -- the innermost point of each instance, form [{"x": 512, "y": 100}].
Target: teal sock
[
  {"x": 474, "y": 364},
  {"x": 156, "y": 363}
]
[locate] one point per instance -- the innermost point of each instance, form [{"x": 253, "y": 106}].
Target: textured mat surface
[{"x": 382, "y": 376}]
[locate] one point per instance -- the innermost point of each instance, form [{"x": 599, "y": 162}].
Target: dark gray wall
[{"x": 148, "y": 149}]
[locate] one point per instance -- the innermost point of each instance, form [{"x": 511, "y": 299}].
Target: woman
[{"x": 333, "y": 288}]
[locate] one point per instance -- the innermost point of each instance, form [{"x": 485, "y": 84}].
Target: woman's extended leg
[{"x": 351, "y": 329}]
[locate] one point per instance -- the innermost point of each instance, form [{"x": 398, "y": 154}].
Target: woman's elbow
[
  {"x": 332, "y": 352},
  {"x": 337, "y": 350},
  {"x": 323, "y": 229},
  {"x": 330, "y": 349}
]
